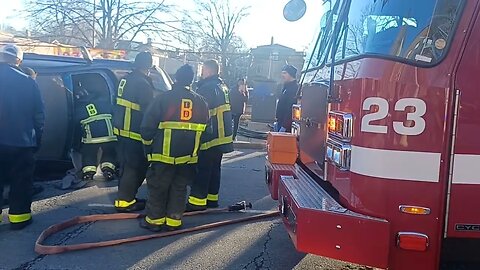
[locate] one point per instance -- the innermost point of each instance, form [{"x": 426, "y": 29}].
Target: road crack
[
  {"x": 262, "y": 260},
  {"x": 68, "y": 236}
]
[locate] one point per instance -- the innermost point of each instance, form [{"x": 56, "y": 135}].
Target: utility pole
[{"x": 93, "y": 23}]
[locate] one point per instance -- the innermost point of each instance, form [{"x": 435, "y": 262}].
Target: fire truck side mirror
[{"x": 294, "y": 10}]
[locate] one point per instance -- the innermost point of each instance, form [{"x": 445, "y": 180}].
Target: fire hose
[{"x": 40, "y": 248}]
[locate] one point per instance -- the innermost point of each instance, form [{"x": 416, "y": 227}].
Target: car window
[{"x": 161, "y": 81}]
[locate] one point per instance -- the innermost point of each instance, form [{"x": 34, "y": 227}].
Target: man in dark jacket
[
  {"x": 216, "y": 142},
  {"x": 239, "y": 99},
  {"x": 135, "y": 92},
  {"x": 175, "y": 122},
  {"x": 287, "y": 99},
  {"x": 22, "y": 120}
]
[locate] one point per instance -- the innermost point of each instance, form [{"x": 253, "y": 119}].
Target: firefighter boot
[
  {"x": 88, "y": 176},
  {"x": 108, "y": 173},
  {"x": 20, "y": 225},
  {"x": 151, "y": 227},
  {"x": 126, "y": 207}
]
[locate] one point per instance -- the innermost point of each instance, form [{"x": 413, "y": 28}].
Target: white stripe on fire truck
[
  {"x": 398, "y": 165},
  {"x": 464, "y": 169}
]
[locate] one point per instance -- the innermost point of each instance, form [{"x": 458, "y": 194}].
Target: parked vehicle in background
[{"x": 57, "y": 77}]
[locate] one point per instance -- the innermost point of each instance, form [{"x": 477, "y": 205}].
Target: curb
[{"x": 249, "y": 145}]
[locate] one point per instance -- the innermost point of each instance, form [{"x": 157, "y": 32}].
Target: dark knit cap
[
  {"x": 290, "y": 70},
  {"x": 144, "y": 60},
  {"x": 184, "y": 75}
]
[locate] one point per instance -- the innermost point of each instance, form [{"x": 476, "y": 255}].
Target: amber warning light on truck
[
  {"x": 296, "y": 112},
  {"x": 340, "y": 125}
]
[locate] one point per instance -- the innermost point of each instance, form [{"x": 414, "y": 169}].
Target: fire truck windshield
[{"x": 418, "y": 32}]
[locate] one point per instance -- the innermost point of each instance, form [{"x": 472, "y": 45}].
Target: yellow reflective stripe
[
  {"x": 145, "y": 142},
  {"x": 109, "y": 126},
  {"x": 216, "y": 142},
  {"x": 158, "y": 221},
  {"x": 196, "y": 201},
  {"x": 19, "y": 218},
  {"x": 127, "y": 119},
  {"x": 198, "y": 136},
  {"x": 96, "y": 118},
  {"x": 108, "y": 165},
  {"x": 127, "y": 134},
  {"x": 220, "y": 124},
  {"x": 128, "y": 104},
  {"x": 124, "y": 204},
  {"x": 182, "y": 126},
  {"x": 99, "y": 139},
  {"x": 89, "y": 169},
  {"x": 212, "y": 197},
  {"x": 220, "y": 109},
  {"x": 121, "y": 87},
  {"x": 172, "y": 160},
  {"x": 174, "y": 222},
  {"x": 167, "y": 140}
]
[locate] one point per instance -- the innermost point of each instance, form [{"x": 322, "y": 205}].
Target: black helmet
[{"x": 143, "y": 60}]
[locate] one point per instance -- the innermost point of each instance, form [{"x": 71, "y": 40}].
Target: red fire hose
[{"x": 48, "y": 250}]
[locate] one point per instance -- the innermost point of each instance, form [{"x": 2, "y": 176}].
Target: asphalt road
[{"x": 258, "y": 245}]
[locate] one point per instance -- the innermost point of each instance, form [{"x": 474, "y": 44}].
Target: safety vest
[
  {"x": 133, "y": 90},
  {"x": 96, "y": 122},
  {"x": 182, "y": 116},
  {"x": 220, "y": 115}
]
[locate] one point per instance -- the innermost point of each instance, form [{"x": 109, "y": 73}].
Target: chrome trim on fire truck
[
  {"x": 403, "y": 208},
  {"x": 296, "y": 128},
  {"x": 452, "y": 159}
]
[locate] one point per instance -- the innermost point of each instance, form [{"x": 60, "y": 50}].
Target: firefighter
[
  {"x": 93, "y": 116},
  {"x": 204, "y": 191},
  {"x": 134, "y": 94},
  {"x": 287, "y": 99},
  {"x": 22, "y": 120},
  {"x": 175, "y": 122}
]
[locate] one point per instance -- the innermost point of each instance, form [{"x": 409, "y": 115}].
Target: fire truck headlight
[{"x": 339, "y": 154}]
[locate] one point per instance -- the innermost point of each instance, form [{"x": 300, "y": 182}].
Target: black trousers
[
  {"x": 89, "y": 153},
  {"x": 236, "y": 121},
  {"x": 17, "y": 165},
  {"x": 133, "y": 168},
  {"x": 207, "y": 182},
  {"x": 167, "y": 189}
]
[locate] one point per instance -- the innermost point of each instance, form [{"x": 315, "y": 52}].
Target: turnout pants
[
  {"x": 134, "y": 165},
  {"x": 167, "y": 189},
  {"x": 207, "y": 182},
  {"x": 17, "y": 165},
  {"x": 89, "y": 153}
]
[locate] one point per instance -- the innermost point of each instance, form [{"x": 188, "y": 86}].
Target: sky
[{"x": 265, "y": 21}]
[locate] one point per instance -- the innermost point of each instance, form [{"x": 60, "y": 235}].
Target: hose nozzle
[{"x": 239, "y": 206}]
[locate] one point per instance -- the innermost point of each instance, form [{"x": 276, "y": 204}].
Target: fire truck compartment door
[
  {"x": 463, "y": 218},
  {"x": 313, "y": 124}
]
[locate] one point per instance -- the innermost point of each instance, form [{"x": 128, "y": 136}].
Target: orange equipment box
[{"x": 282, "y": 148}]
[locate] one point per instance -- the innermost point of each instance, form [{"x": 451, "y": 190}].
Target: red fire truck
[{"x": 385, "y": 126}]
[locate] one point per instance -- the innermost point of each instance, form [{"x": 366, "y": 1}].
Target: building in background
[{"x": 268, "y": 61}]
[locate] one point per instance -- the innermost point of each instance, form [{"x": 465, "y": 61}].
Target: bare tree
[
  {"x": 101, "y": 23},
  {"x": 211, "y": 28}
]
